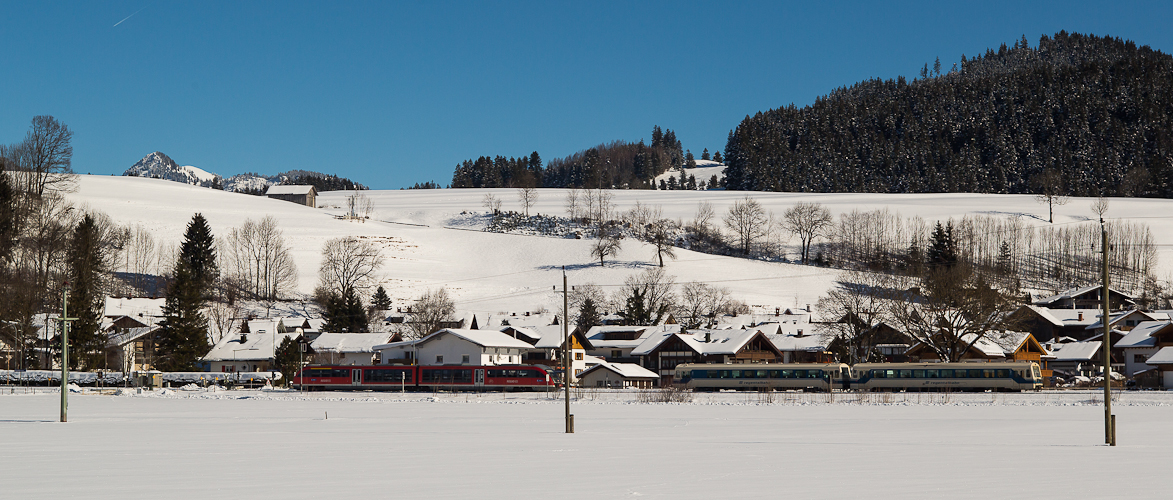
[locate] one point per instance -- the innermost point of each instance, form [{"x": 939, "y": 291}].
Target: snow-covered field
[
  {"x": 432, "y": 238},
  {"x": 254, "y": 444}
]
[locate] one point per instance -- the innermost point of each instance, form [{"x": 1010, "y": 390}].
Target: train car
[
  {"x": 392, "y": 377},
  {"x": 806, "y": 376},
  {"x": 1008, "y": 376}
]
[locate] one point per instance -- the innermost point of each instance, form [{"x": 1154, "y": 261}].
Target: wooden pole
[
  {"x": 1109, "y": 428},
  {"x": 566, "y": 364}
]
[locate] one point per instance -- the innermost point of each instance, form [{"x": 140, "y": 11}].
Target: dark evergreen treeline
[
  {"x": 322, "y": 182},
  {"x": 615, "y": 165},
  {"x": 1098, "y": 110}
]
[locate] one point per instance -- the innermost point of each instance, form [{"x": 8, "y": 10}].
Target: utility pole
[
  {"x": 566, "y": 364},
  {"x": 65, "y": 320},
  {"x": 1109, "y": 418}
]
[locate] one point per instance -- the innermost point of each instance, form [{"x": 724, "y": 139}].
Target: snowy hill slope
[
  {"x": 429, "y": 243},
  {"x": 704, "y": 171}
]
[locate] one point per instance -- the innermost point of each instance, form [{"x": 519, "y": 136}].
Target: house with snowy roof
[
  {"x": 1076, "y": 358},
  {"x": 348, "y": 348},
  {"x": 618, "y": 376},
  {"x": 1088, "y": 297},
  {"x": 454, "y": 346},
  {"x": 251, "y": 351},
  {"x": 131, "y": 348},
  {"x": 615, "y": 342},
  {"x": 297, "y": 193},
  {"x": 547, "y": 346},
  {"x": 1140, "y": 346},
  {"x": 662, "y": 350}
]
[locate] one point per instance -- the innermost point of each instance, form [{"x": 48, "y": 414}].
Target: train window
[
  {"x": 1002, "y": 373},
  {"x": 774, "y": 374},
  {"x": 787, "y": 373},
  {"x": 700, "y": 374},
  {"x": 958, "y": 373},
  {"x": 905, "y": 373},
  {"x": 918, "y": 374},
  {"x": 932, "y": 374},
  {"x": 946, "y": 373},
  {"x": 761, "y": 373}
]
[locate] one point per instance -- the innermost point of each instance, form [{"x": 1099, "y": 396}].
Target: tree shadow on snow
[{"x": 614, "y": 264}]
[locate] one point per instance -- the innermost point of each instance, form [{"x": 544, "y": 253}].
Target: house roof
[
  {"x": 349, "y": 342},
  {"x": 1114, "y": 318},
  {"x": 1076, "y": 292},
  {"x": 125, "y": 336},
  {"x": 1075, "y": 351},
  {"x": 1162, "y": 357},
  {"x": 625, "y": 370},
  {"x": 256, "y": 346},
  {"x": 483, "y": 338},
  {"x": 134, "y": 306},
  {"x": 1142, "y": 335},
  {"x": 785, "y": 337},
  {"x": 291, "y": 189},
  {"x": 1071, "y": 317},
  {"x": 1045, "y": 314}
]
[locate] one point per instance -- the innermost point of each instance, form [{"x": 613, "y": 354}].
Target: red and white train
[{"x": 396, "y": 377}]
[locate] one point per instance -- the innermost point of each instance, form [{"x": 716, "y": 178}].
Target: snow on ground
[
  {"x": 432, "y": 238},
  {"x": 703, "y": 172},
  {"x": 256, "y": 444}
]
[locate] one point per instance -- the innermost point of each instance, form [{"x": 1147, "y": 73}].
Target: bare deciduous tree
[
  {"x": 220, "y": 319},
  {"x": 807, "y": 221},
  {"x": 349, "y": 264},
  {"x": 572, "y": 203},
  {"x": 851, "y": 312},
  {"x": 747, "y": 219},
  {"x": 648, "y": 296},
  {"x": 491, "y": 203},
  {"x": 428, "y": 312},
  {"x": 1100, "y": 207},
  {"x": 660, "y": 235},
  {"x": 258, "y": 259},
  {"x": 527, "y": 196},
  {"x": 700, "y": 303},
  {"x": 43, "y": 161},
  {"x": 359, "y": 206},
  {"x": 1049, "y": 184},
  {"x": 608, "y": 242}
]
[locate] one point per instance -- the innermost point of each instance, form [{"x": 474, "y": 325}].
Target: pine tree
[
  {"x": 184, "y": 329},
  {"x": 287, "y": 358},
  {"x": 942, "y": 250},
  {"x": 717, "y": 157},
  {"x": 705, "y": 154},
  {"x": 84, "y": 259},
  {"x": 381, "y": 300},
  {"x": 588, "y": 314}
]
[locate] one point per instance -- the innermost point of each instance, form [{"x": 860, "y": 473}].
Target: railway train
[
  {"x": 1009, "y": 376},
  {"x": 413, "y": 377}
]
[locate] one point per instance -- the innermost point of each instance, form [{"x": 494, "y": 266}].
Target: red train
[{"x": 394, "y": 377}]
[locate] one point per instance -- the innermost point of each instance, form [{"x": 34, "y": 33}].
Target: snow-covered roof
[
  {"x": 1142, "y": 335},
  {"x": 625, "y": 370},
  {"x": 550, "y": 336},
  {"x": 1009, "y": 341},
  {"x": 1162, "y": 357},
  {"x": 483, "y": 338},
  {"x": 125, "y": 336},
  {"x": 1071, "y": 317},
  {"x": 349, "y": 342},
  {"x": 1076, "y": 292},
  {"x": 1045, "y": 313},
  {"x": 1116, "y": 317},
  {"x": 1075, "y": 351},
  {"x": 786, "y": 337},
  {"x": 256, "y": 346},
  {"x": 290, "y": 189}
]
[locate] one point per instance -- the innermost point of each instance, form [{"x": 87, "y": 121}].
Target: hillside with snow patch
[{"x": 433, "y": 237}]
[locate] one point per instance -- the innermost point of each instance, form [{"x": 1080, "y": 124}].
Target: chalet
[
  {"x": 300, "y": 194},
  {"x": 618, "y": 376},
  {"x": 456, "y": 347},
  {"x": 1140, "y": 345},
  {"x": 1076, "y": 358},
  {"x": 615, "y": 343},
  {"x": 1088, "y": 297},
  {"x": 251, "y": 351},
  {"x": 131, "y": 349},
  {"x": 665, "y": 349},
  {"x": 1122, "y": 320},
  {"x": 547, "y": 346},
  {"x": 880, "y": 341},
  {"x": 797, "y": 343}
]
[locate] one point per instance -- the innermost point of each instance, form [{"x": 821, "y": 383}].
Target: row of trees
[
  {"x": 1095, "y": 111},
  {"x": 614, "y": 165},
  {"x": 650, "y": 296}
]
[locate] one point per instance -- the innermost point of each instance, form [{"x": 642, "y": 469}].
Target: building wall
[
  {"x": 453, "y": 349},
  {"x": 1130, "y": 366},
  {"x": 301, "y": 199}
]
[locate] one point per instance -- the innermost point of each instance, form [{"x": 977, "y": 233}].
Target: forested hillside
[
  {"x": 615, "y": 165},
  {"x": 1096, "y": 110}
]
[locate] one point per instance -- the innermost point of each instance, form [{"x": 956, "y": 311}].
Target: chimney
[
  {"x": 799, "y": 332},
  {"x": 708, "y": 336},
  {"x": 808, "y": 308},
  {"x": 777, "y": 311},
  {"x": 1081, "y": 316}
]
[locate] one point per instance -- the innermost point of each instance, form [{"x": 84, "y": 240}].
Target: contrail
[{"x": 127, "y": 17}]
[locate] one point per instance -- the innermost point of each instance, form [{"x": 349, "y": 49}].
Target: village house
[
  {"x": 618, "y": 376},
  {"x": 547, "y": 347},
  {"x": 1139, "y": 348},
  {"x": 353, "y": 349},
  {"x": 1088, "y": 297},
  {"x": 451, "y": 346},
  {"x": 666, "y": 348}
]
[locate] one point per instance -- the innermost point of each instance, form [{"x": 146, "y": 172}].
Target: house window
[
  {"x": 464, "y": 359},
  {"x": 578, "y": 356},
  {"x": 439, "y": 358},
  {"x": 616, "y": 353},
  {"x": 1139, "y": 358}
]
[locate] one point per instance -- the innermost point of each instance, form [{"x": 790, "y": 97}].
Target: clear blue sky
[{"x": 392, "y": 93}]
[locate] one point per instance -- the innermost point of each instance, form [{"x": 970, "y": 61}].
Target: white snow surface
[
  {"x": 433, "y": 237},
  {"x": 278, "y": 444},
  {"x": 704, "y": 170}
]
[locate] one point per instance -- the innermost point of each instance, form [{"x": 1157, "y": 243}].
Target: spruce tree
[
  {"x": 942, "y": 250},
  {"x": 381, "y": 300},
  {"x": 588, "y": 314},
  {"x": 705, "y": 154},
  {"x": 184, "y": 336},
  {"x": 84, "y": 259},
  {"x": 345, "y": 313}
]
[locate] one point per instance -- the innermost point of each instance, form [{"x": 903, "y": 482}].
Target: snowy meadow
[{"x": 258, "y": 444}]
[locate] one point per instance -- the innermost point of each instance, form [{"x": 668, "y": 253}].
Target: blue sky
[{"x": 393, "y": 93}]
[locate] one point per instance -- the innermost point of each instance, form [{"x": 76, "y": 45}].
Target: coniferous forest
[{"x": 1096, "y": 110}]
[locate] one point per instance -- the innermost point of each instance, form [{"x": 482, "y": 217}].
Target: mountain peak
[{"x": 158, "y": 165}]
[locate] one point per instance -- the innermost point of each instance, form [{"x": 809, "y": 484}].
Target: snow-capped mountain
[
  {"x": 252, "y": 182},
  {"x": 160, "y": 166}
]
